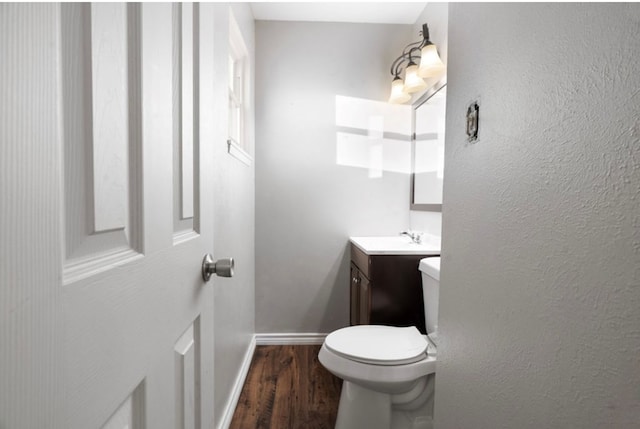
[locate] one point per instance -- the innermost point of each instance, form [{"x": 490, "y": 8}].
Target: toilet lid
[{"x": 378, "y": 345}]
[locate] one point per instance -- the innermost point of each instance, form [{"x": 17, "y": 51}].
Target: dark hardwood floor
[{"x": 287, "y": 388}]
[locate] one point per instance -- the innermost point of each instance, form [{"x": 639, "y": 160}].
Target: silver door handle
[{"x": 221, "y": 267}]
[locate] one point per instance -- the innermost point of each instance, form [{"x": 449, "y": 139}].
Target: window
[{"x": 238, "y": 86}]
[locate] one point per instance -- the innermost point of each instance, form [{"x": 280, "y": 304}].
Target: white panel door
[{"x": 106, "y": 214}]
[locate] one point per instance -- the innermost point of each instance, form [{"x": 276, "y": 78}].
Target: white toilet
[{"x": 388, "y": 372}]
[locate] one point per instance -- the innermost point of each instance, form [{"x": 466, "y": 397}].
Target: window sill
[{"x": 239, "y": 153}]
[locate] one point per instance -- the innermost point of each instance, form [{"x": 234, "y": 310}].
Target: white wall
[
  {"x": 306, "y": 204},
  {"x": 539, "y": 305},
  {"x": 436, "y": 15},
  {"x": 234, "y": 215}
]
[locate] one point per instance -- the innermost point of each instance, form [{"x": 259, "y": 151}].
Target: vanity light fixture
[{"x": 430, "y": 66}]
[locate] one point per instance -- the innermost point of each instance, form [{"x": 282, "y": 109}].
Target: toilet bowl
[{"x": 388, "y": 372}]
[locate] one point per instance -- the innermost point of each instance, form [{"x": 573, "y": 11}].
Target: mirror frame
[{"x": 419, "y": 102}]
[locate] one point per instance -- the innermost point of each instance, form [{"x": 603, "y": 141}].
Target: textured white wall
[
  {"x": 306, "y": 205},
  {"x": 436, "y": 15},
  {"x": 540, "y": 300},
  {"x": 234, "y": 215}
]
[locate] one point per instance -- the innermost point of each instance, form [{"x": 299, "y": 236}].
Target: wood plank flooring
[{"x": 287, "y": 388}]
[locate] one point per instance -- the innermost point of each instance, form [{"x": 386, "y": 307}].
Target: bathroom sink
[{"x": 397, "y": 245}]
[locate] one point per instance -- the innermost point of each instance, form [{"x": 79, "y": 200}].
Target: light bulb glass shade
[
  {"x": 398, "y": 96},
  {"x": 430, "y": 63},
  {"x": 413, "y": 82}
]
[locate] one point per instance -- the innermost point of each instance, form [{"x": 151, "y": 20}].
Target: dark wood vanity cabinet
[{"x": 386, "y": 290}]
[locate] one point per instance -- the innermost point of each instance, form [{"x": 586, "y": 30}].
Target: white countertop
[{"x": 397, "y": 245}]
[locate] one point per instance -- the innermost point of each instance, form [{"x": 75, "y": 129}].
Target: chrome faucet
[{"x": 416, "y": 237}]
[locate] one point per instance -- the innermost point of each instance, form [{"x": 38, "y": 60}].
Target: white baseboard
[
  {"x": 287, "y": 339},
  {"x": 237, "y": 386}
]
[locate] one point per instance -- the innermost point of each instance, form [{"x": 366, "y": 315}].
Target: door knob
[{"x": 221, "y": 267}]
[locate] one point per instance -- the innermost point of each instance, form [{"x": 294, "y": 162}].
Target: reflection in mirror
[{"x": 428, "y": 151}]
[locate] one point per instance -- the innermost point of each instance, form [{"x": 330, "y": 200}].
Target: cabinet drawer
[{"x": 361, "y": 260}]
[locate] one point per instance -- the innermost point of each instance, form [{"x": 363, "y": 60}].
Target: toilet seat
[
  {"x": 365, "y": 373},
  {"x": 378, "y": 344}
]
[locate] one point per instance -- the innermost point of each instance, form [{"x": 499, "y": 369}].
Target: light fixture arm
[
  {"x": 408, "y": 77},
  {"x": 425, "y": 33},
  {"x": 407, "y": 55},
  {"x": 407, "y": 52}
]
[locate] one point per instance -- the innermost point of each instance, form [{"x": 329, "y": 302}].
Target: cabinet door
[
  {"x": 354, "y": 292},
  {"x": 396, "y": 291},
  {"x": 364, "y": 302}
]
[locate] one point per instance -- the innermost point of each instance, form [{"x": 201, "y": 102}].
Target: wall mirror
[{"x": 427, "y": 150}]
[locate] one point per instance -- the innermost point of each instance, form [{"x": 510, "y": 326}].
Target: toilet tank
[{"x": 430, "y": 270}]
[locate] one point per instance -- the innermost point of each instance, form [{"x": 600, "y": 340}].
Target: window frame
[{"x": 238, "y": 88}]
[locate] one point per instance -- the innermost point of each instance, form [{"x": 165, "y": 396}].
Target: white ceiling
[{"x": 378, "y": 13}]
